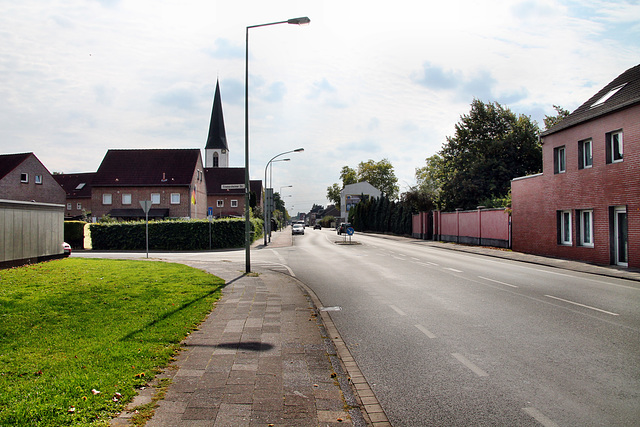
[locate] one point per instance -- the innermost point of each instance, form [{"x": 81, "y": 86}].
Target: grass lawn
[{"x": 74, "y": 327}]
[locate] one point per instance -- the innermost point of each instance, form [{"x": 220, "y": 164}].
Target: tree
[
  {"x": 491, "y": 146},
  {"x": 333, "y": 194},
  {"x": 348, "y": 176},
  {"x": 550, "y": 121},
  {"x": 380, "y": 175}
]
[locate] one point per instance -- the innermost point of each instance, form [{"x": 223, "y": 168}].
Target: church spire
[{"x": 217, "y": 150}]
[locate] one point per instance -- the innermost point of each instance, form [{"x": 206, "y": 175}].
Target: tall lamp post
[
  {"x": 267, "y": 224},
  {"x": 247, "y": 216}
]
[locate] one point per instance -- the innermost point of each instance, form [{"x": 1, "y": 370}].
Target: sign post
[
  {"x": 210, "y": 217},
  {"x": 146, "y": 206}
]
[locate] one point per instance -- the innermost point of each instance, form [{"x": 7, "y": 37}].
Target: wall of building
[
  {"x": 486, "y": 227},
  {"x": 31, "y": 232},
  {"x": 48, "y": 191},
  {"x": 139, "y": 194},
  {"x": 537, "y": 200}
]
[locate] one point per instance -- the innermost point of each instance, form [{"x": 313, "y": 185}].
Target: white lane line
[
  {"x": 582, "y": 305},
  {"x": 425, "y": 331},
  {"x": 453, "y": 269},
  {"x": 539, "y": 417},
  {"x": 397, "y": 310},
  {"x": 497, "y": 281},
  {"x": 428, "y": 264},
  {"x": 466, "y": 362}
]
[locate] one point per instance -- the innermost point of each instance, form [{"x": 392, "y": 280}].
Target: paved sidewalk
[{"x": 261, "y": 358}]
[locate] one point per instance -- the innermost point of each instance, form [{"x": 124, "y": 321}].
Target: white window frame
[
  {"x": 560, "y": 161},
  {"x": 68, "y": 206},
  {"x": 155, "y": 198},
  {"x": 586, "y": 228},
  {"x": 220, "y": 203},
  {"x": 175, "y": 198},
  {"x": 107, "y": 199},
  {"x": 126, "y": 198},
  {"x": 38, "y": 179},
  {"x": 586, "y": 153},
  {"x": 234, "y": 203},
  {"x": 565, "y": 228},
  {"x": 79, "y": 206},
  {"x": 24, "y": 178},
  {"x": 612, "y": 146}
]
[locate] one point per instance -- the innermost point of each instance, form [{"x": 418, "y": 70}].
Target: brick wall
[
  {"x": 48, "y": 191},
  {"x": 138, "y": 194},
  {"x": 536, "y": 200}
]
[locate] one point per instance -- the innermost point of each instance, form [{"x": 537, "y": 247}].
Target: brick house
[
  {"x": 172, "y": 179},
  {"x": 24, "y": 178},
  {"x": 229, "y": 202},
  {"x": 586, "y": 203},
  {"x": 78, "y": 188}
]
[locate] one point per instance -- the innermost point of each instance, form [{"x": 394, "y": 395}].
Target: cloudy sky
[{"x": 365, "y": 80}]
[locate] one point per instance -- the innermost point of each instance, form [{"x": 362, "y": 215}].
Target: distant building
[
  {"x": 78, "y": 188},
  {"x": 24, "y": 178},
  {"x": 586, "y": 203},
  {"x": 229, "y": 201},
  {"x": 352, "y": 194}
]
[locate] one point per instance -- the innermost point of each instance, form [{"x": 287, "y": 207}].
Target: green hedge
[
  {"x": 74, "y": 233},
  {"x": 186, "y": 235}
]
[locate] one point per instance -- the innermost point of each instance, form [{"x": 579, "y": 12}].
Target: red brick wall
[
  {"x": 48, "y": 192},
  {"x": 536, "y": 200},
  {"x": 138, "y": 194},
  {"x": 226, "y": 210}
]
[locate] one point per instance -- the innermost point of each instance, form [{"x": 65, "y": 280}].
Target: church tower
[{"x": 216, "y": 152}]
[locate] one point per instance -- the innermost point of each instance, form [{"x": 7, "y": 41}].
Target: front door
[{"x": 621, "y": 239}]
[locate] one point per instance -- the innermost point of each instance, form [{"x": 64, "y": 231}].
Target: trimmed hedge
[
  {"x": 74, "y": 233},
  {"x": 184, "y": 235}
]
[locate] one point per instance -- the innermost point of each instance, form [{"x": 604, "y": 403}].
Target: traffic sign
[{"x": 350, "y": 231}]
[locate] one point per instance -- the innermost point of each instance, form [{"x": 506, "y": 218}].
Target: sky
[{"x": 364, "y": 80}]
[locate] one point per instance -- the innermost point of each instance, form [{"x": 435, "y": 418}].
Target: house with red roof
[
  {"x": 585, "y": 205},
  {"x": 172, "y": 179},
  {"x": 78, "y": 188},
  {"x": 24, "y": 178}
]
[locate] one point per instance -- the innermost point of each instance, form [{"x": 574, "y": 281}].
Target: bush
[
  {"x": 183, "y": 235},
  {"x": 74, "y": 233}
]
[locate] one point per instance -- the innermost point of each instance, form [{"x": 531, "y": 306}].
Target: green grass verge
[{"x": 71, "y": 326}]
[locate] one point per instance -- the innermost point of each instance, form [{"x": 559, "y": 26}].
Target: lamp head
[
  {"x": 298, "y": 150},
  {"x": 299, "y": 21}
]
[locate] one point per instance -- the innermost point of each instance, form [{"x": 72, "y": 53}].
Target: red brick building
[
  {"x": 78, "y": 188},
  {"x": 24, "y": 178},
  {"x": 172, "y": 179},
  {"x": 586, "y": 203}
]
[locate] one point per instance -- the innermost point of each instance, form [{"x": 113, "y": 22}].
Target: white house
[{"x": 352, "y": 194}]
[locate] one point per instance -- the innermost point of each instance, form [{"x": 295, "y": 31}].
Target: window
[
  {"x": 24, "y": 177},
  {"x": 68, "y": 206},
  {"x": 564, "y": 227},
  {"x": 216, "y": 160},
  {"x": 175, "y": 198},
  {"x": 81, "y": 186},
  {"x": 607, "y": 95},
  {"x": 220, "y": 203},
  {"x": 79, "y": 206},
  {"x": 106, "y": 199},
  {"x": 559, "y": 160},
  {"x": 126, "y": 199},
  {"x": 38, "y": 179},
  {"x": 585, "y": 154},
  {"x": 234, "y": 203},
  {"x": 614, "y": 146},
  {"x": 155, "y": 198},
  {"x": 585, "y": 227}
]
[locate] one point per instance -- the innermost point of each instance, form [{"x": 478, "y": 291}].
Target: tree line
[{"x": 491, "y": 145}]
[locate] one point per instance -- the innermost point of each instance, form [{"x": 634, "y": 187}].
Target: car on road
[
  {"x": 317, "y": 227},
  {"x": 297, "y": 229},
  {"x": 343, "y": 227}
]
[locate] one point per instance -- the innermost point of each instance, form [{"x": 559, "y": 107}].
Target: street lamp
[
  {"x": 247, "y": 217},
  {"x": 269, "y": 191}
]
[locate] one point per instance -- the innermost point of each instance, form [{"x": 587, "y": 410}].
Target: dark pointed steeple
[{"x": 217, "y": 139}]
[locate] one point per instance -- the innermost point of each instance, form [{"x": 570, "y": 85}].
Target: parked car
[
  {"x": 343, "y": 227},
  {"x": 297, "y": 229},
  {"x": 317, "y": 226},
  {"x": 67, "y": 249}
]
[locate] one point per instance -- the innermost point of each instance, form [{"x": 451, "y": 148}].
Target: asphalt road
[{"x": 449, "y": 338}]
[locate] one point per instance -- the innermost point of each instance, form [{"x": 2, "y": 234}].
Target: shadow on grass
[{"x": 168, "y": 314}]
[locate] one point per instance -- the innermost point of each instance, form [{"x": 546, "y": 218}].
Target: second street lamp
[{"x": 247, "y": 209}]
